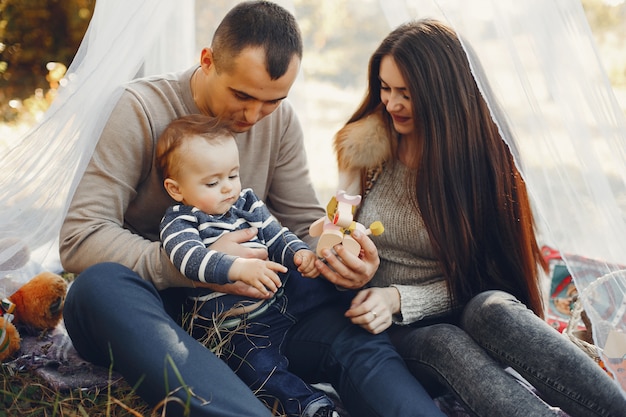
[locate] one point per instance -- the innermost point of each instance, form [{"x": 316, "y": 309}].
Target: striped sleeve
[
  {"x": 186, "y": 250},
  {"x": 281, "y": 243}
]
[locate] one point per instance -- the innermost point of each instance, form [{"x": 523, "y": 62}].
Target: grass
[{"x": 25, "y": 394}]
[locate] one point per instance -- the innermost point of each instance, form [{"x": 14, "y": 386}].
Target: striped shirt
[{"x": 186, "y": 233}]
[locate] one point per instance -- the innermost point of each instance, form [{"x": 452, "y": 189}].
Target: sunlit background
[{"x": 38, "y": 39}]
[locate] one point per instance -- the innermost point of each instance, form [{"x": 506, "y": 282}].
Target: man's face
[{"x": 245, "y": 94}]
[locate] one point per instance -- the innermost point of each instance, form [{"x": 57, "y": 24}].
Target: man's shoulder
[
  {"x": 278, "y": 126},
  {"x": 285, "y": 112},
  {"x": 156, "y": 83},
  {"x": 160, "y": 98},
  {"x": 283, "y": 115}
]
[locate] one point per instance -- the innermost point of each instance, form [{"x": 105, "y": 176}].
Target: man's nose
[{"x": 252, "y": 112}]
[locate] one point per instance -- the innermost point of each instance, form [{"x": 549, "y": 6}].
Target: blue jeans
[
  {"x": 495, "y": 330},
  {"x": 116, "y": 318},
  {"x": 253, "y": 345}
]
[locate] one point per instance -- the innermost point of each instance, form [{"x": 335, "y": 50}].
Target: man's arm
[{"x": 95, "y": 228}]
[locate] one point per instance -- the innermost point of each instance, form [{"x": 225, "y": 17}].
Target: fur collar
[{"x": 359, "y": 146}]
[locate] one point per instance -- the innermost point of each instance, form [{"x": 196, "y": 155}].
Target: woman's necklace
[{"x": 407, "y": 154}]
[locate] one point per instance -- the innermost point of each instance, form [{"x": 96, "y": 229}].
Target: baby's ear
[{"x": 172, "y": 188}]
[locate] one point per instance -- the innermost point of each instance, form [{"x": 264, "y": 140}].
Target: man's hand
[
  {"x": 237, "y": 288},
  {"x": 349, "y": 271},
  {"x": 231, "y": 243}
]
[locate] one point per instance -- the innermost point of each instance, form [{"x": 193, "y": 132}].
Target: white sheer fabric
[
  {"x": 40, "y": 173},
  {"x": 538, "y": 68},
  {"x": 546, "y": 82},
  {"x": 544, "y": 77}
]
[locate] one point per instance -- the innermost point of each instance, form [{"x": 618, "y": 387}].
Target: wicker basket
[{"x": 582, "y": 338}]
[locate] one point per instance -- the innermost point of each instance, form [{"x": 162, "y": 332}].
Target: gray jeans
[{"x": 468, "y": 356}]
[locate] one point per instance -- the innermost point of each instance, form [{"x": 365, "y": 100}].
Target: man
[{"x": 125, "y": 306}]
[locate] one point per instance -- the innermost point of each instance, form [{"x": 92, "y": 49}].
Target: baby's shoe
[{"x": 326, "y": 411}]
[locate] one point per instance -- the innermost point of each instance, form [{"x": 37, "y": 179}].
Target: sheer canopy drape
[
  {"x": 536, "y": 63},
  {"x": 40, "y": 172},
  {"x": 538, "y": 67}
]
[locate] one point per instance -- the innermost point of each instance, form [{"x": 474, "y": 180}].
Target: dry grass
[{"x": 25, "y": 394}]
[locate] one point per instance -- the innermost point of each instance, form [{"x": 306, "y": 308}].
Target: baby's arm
[
  {"x": 305, "y": 260},
  {"x": 257, "y": 273}
]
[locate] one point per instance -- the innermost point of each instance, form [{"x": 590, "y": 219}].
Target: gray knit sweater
[{"x": 407, "y": 261}]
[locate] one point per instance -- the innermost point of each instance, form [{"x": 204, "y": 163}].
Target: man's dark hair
[{"x": 258, "y": 24}]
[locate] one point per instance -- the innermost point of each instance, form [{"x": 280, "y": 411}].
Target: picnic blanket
[{"x": 52, "y": 357}]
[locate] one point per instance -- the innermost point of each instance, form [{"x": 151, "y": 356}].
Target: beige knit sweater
[{"x": 115, "y": 213}]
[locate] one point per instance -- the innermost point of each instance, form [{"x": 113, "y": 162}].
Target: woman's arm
[{"x": 375, "y": 309}]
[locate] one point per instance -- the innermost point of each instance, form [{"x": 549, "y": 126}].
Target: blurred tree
[
  {"x": 607, "y": 19},
  {"x": 339, "y": 37},
  {"x": 34, "y": 33}
]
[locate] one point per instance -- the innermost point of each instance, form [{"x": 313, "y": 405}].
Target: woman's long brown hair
[{"x": 469, "y": 191}]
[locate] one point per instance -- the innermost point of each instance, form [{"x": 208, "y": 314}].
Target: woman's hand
[
  {"x": 373, "y": 308},
  {"x": 349, "y": 271}
]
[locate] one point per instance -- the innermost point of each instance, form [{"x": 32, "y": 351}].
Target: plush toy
[
  {"x": 338, "y": 224},
  {"x": 36, "y": 305}
]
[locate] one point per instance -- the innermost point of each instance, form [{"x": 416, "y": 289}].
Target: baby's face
[{"x": 209, "y": 175}]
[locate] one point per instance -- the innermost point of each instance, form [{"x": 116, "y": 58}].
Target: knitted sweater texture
[
  {"x": 118, "y": 204},
  {"x": 186, "y": 233},
  {"x": 407, "y": 261}
]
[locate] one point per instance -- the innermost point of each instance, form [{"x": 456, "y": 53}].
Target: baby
[{"x": 199, "y": 163}]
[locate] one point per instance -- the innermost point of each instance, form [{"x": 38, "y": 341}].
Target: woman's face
[{"x": 394, "y": 96}]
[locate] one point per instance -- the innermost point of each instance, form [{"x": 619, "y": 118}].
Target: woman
[{"x": 458, "y": 283}]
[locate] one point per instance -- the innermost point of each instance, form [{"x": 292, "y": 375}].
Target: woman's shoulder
[{"x": 365, "y": 143}]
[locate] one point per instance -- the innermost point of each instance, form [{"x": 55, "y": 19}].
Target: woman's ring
[{"x": 374, "y": 314}]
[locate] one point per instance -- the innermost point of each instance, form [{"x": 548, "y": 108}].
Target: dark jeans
[
  {"x": 113, "y": 316},
  {"x": 253, "y": 347},
  {"x": 495, "y": 331}
]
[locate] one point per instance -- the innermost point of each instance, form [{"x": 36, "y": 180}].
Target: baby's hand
[
  {"x": 305, "y": 260},
  {"x": 257, "y": 273}
]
